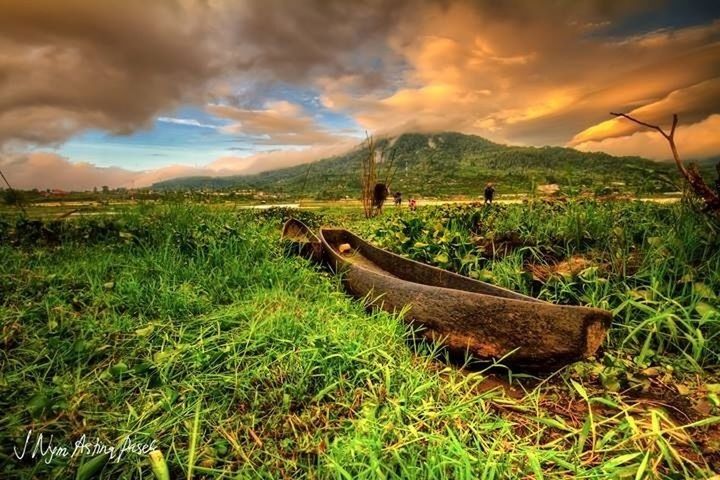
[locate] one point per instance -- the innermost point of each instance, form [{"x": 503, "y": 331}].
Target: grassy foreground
[{"x": 190, "y": 328}]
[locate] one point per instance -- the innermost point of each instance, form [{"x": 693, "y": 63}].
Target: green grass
[
  {"x": 657, "y": 267},
  {"x": 189, "y": 327}
]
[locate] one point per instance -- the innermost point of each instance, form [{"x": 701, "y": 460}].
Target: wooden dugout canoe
[
  {"x": 300, "y": 240},
  {"x": 466, "y": 315}
]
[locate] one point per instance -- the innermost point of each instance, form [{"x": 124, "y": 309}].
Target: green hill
[{"x": 446, "y": 164}]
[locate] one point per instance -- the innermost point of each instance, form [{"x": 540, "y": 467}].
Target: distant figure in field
[
  {"x": 380, "y": 194},
  {"x": 412, "y": 204},
  {"x": 489, "y": 193},
  {"x": 398, "y": 198}
]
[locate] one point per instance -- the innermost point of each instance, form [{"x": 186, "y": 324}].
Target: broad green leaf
[
  {"x": 145, "y": 331},
  {"x": 580, "y": 389},
  {"x": 441, "y": 258},
  {"x": 712, "y": 387},
  {"x": 703, "y": 290},
  {"x": 705, "y": 309}
]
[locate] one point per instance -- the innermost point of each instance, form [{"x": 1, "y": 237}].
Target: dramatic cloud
[
  {"x": 295, "y": 41},
  {"x": 693, "y": 103},
  {"x": 48, "y": 170},
  {"x": 280, "y": 123},
  {"x": 522, "y": 71},
  {"x": 534, "y": 75},
  {"x": 261, "y": 162},
  {"x": 59, "y": 172},
  {"x": 72, "y": 65},
  {"x": 698, "y": 140}
]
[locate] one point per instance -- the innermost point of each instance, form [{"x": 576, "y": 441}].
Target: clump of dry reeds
[
  {"x": 369, "y": 177},
  {"x": 375, "y": 188}
]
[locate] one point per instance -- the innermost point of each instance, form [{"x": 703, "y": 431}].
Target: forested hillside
[{"x": 448, "y": 164}]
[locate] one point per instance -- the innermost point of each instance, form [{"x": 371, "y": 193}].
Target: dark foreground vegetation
[{"x": 189, "y": 327}]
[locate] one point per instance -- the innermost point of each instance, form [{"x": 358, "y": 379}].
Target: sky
[{"x": 130, "y": 93}]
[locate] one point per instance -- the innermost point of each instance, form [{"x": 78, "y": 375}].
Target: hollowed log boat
[
  {"x": 465, "y": 315},
  {"x": 298, "y": 239}
]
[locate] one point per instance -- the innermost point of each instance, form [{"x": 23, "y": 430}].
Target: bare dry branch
[
  {"x": 694, "y": 179},
  {"x": 674, "y": 124},
  {"x": 632, "y": 119}
]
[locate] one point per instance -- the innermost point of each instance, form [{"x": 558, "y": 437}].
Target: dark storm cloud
[
  {"x": 292, "y": 40},
  {"x": 71, "y": 65}
]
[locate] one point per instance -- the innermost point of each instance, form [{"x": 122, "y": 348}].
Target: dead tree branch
[{"x": 691, "y": 174}]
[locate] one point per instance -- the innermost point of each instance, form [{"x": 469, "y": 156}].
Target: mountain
[{"x": 445, "y": 164}]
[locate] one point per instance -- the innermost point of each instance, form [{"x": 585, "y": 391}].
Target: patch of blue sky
[
  {"x": 164, "y": 144},
  {"x": 339, "y": 123},
  {"x": 192, "y": 136},
  {"x": 188, "y": 136},
  {"x": 138, "y": 156},
  {"x": 671, "y": 14},
  {"x": 309, "y": 99}
]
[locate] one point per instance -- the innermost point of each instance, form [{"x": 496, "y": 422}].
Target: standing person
[
  {"x": 380, "y": 194},
  {"x": 489, "y": 193},
  {"x": 412, "y": 204},
  {"x": 398, "y": 199}
]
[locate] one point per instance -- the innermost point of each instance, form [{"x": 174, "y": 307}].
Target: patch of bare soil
[
  {"x": 563, "y": 269},
  {"x": 500, "y": 245}
]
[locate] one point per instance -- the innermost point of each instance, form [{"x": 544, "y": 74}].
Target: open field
[
  {"x": 185, "y": 324},
  {"x": 60, "y": 208}
]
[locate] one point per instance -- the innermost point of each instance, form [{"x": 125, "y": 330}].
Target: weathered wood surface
[
  {"x": 298, "y": 239},
  {"x": 463, "y": 314}
]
